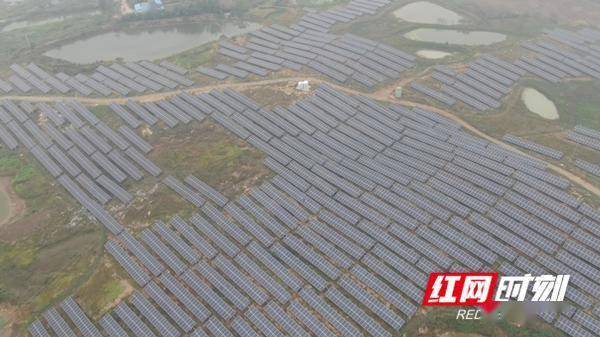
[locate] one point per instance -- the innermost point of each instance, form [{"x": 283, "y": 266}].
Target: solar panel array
[
  {"x": 85, "y": 155},
  {"x": 587, "y": 137},
  {"x": 347, "y": 58},
  {"x": 119, "y": 79},
  {"x": 339, "y": 223},
  {"x": 529, "y": 145},
  {"x": 481, "y": 87},
  {"x": 562, "y": 54}
]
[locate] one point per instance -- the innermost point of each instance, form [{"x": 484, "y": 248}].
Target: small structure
[
  {"x": 398, "y": 92},
  {"x": 149, "y": 6},
  {"x": 303, "y": 86}
]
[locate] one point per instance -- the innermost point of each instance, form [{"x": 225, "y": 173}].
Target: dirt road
[{"x": 383, "y": 94}]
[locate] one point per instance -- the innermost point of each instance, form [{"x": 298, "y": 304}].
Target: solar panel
[
  {"x": 233, "y": 273},
  {"x": 149, "y": 311},
  {"x": 249, "y": 224},
  {"x": 149, "y": 261},
  {"x": 275, "y": 266},
  {"x": 356, "y": 313},
  {"x": 19, "y": 83},
  {"x": 329, "y": 313},
  {"x": 144, "y": 162},
  {"x": 219, "y": 75},
  {"x": 82, "y": 322},
  {"x": 243, "y": 328},
  {"x": 222, "y": 222},
  {"x": 111, "y": 327},
  {"x": 300, "y": 267},
  {"x": 214, "y": 235},
  {"x": 96, "y": 139},
  {"x": 127, "y": 166},
  {"x": 95, "y": 190},
  {"x": 64, "y": 161},
  {"x": 174, "y": 111},
  {"x": 281, "y": 213},
  {"x": 162, "y": 251},
  {"x": 132, "y": 321},
  {"x": 180, "y": 317},
  {"x": 188, "y": 108},
  {"x": 214, "y": 300},
  {"x": 263, "y": 278},
  {"x": 116, "y": 190},
  {"x": 176, "y": 242},
  {"x": 36, "y": 329},
  {"x": 309, "y": 320},
  {"x": 203, "y": 246},
  {"x": 369, "y": 301},
  {"x": 184, "y": 296},
  {"x": 571, "y": 328},
  {"x": 165, "y": 117},
  {"x": 57, "y": 323},
  {"x": 216, "y": 328}
]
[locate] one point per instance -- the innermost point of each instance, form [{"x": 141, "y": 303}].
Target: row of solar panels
[
  {"x": 554, "y": 62},
  {"x": 323, "y": 21},
  {"x": 588, "y": 167},
  {"x": 287, "y": 217},
  {"x": 117, "y": 163},
  {"x": 119, "y": 79},
  {"x": 481, "y": 87},
  {"x": 230, "y": 270},
  {"x": 182, "y": 108},
  {"x": 529, "y": 145},
  {"x": 341, "y": 58},
  {"x": 585, "y": 136}
]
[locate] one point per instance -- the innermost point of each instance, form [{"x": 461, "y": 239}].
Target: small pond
[
  {"x": 432, "y": 54},
  {"x": 539, "y": 104},
  {"x": 450, "y": 36},
  {"x": 427, "y": 13}
]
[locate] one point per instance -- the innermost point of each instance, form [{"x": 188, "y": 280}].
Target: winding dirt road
[{"x": 381, "y": 95}]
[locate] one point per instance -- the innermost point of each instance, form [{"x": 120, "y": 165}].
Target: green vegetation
[
  {"x": 211, "y": 154},
  {"x": 31, "y": 42},
  {"x": 194, "y": 57},
  {"x": 47, "y": 252},
  {"x": 578, "y": 102},
  {"x": 434, "y": 322},
  {"x": 10, "y": 163},
  {"x": 193, "y": 8},
  {"x": 102, "y": 288}
]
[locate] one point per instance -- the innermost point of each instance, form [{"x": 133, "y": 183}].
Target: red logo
[{"x": 461, "y": 289}]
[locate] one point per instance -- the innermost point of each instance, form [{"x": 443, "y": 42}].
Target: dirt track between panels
[{"x": 381, "y": 95}]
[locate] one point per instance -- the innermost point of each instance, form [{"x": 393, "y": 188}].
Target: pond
[
  {"x": 147, "y": 44},
  {"x": 432, "y": 54},
  {"x": 539, "y": 104},
  {"x": 428, "y": 13},
  {"x": 450, "y": 36}
]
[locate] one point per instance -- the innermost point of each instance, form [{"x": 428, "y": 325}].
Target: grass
[
  {"x": 10, "y": 163},
  {"x": 434, "y": 322},
  {"x": 51, "y": 249},
  {"x": 578, "y": 102},
  {"x": 194, "y": 57},
  {"x": 102, "y": 288},
  {"x": 211, "y": 154}
]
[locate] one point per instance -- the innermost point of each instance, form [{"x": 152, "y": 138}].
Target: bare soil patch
[{"x": 16, "y": 205}]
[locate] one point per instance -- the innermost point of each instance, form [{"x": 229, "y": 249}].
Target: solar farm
[
  {"x": 365, "y": 197},
  {"x": 366, "y": 200}
]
